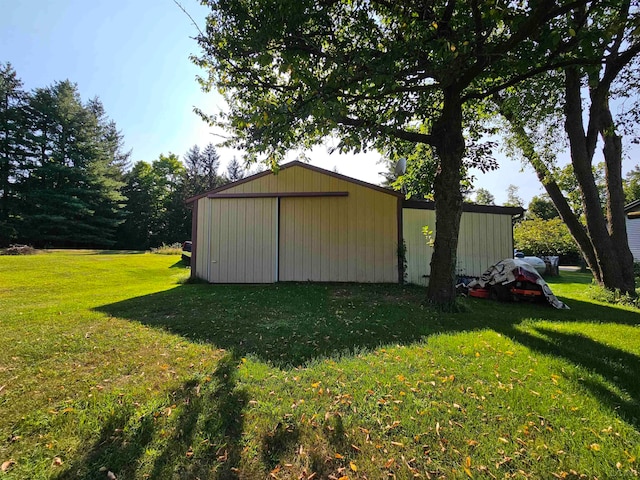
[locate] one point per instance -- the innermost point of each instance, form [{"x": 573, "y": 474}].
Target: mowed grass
[{"x": 109, "y": 362}]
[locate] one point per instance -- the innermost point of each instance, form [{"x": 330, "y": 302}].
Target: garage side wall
[
  {"x": 485, "y": 238},
  {"x": 202, "y": 239}
]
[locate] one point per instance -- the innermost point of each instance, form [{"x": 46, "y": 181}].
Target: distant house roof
[
  {"x": 633, "y": 209},
  {"x": 632, "y": 206}
]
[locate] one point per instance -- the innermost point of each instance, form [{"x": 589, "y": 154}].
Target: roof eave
[
  {"x": 466, "y": 207},
  {"x": 630, "y": 206}
]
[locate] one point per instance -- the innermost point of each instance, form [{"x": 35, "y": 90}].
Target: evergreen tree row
[
  {"x": 65, "y": 179},
  {"x": 61, "y": 166}
]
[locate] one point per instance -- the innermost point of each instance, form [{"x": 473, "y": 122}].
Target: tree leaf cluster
[
  {"x": 156, "y": 213},
  {"x": 484, "y": 197},
  {"x": 537, "y": 236},
  {"x": 632, "y": 185},
  {"x": 541, "y": 207}
]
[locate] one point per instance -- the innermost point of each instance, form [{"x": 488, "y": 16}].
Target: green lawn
[{"x": 110, "y": 362}]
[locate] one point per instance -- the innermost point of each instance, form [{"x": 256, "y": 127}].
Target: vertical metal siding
[
  {"x": 202, "y": 240},
  {"x": 350, "y": 238},
  {"x": 484, "y": 240},
  {"x": 633, "y": 234},
  {"x": 337, "y": 239},
  {"x": 243, "y": 240}
]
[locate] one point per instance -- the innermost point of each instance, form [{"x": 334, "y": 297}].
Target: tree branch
[
  {"x": 398, "y": 133},
  {"x": 540, "y": 16},
  {"x": 529, "y": 74},
  {"x": 190, "y": 17}
]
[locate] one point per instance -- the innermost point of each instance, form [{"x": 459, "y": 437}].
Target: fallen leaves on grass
[
  {"x": 467, "y": 467},
  {"x": 7, "y": 465}
]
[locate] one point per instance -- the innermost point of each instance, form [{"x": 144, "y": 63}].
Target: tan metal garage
[{"x": 305, "y": 223}]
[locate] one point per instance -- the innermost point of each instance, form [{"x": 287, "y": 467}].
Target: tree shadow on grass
[
  {"x": 180, "y": 264},
  {"x": 291, "y": 324},
  {"x": 620, "y": 389},
  {"x": 198, "y": 435}
]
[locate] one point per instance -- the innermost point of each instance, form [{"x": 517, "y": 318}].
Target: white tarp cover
[{"x": 505, "y": 272}]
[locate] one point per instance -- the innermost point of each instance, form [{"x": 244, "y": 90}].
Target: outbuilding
[
  {"x": 632, "y": 211},
  {"x": 305, "y": 223}
]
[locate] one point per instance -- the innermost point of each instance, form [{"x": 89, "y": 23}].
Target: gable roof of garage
[{"x": 295, "y": 163}]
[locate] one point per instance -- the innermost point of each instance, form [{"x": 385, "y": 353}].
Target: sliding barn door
[{"x": 243, "y": 242}]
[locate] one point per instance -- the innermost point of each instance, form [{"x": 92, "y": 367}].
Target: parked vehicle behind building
[{"x": 186, "y": 252}]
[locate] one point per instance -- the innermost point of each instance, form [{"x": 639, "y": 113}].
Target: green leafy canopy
[{"x": 369, "y": 73}]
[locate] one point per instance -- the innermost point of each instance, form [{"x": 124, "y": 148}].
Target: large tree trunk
[
  {"x": 569, "y": 217},
  {"x": 615, "y": 195},
  {"x": 448, "y": 200},
  {"x": 582, "y": 149}
]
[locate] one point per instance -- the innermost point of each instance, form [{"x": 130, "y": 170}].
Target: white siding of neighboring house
[{"x": 633, "y": 233}]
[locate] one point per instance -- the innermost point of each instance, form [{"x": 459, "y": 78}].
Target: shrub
[
  {"x": 544, "y": 237},
  {"x": 601, "y": 294},
  {"x": 18, "y": 250},
  {"x": 164, "y": 249}
]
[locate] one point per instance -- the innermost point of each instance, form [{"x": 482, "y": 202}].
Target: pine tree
[
  {"x": 71, "y": 192},
  {"x": 14, "y": 144},
  {"x": 202, "y": 170},
  {"x": 211, "y": 163},
  {"x": 235, "y": 171}
]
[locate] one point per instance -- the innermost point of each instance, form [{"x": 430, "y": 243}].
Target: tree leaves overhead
[
  {"x": 366, "y": 71},
  {"x": 376, "y": 74}
]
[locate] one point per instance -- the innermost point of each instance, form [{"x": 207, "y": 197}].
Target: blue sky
[
  {"x": 134, "y": 55},
  {"x": 131, "y": 54}
]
